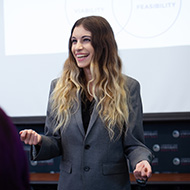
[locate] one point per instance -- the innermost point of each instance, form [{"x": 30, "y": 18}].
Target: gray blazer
[{"x": 91, "y": 161}]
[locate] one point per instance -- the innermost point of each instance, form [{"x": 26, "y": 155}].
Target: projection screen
[{"x": 152, "y": 36}]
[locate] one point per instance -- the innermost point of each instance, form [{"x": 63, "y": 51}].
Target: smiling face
[{"x": 82, "y": 48}]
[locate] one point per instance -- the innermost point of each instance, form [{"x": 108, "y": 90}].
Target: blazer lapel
[
  {"x": 92, "y": 118},
  {"x": 78, "y": 117}
]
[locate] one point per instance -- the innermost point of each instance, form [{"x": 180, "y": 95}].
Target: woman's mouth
[{"x": 81, "y": 57}]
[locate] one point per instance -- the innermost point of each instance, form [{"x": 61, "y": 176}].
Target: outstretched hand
[
  {"x": 30, "y": 137},
  {"x": 143, "y": 170}
]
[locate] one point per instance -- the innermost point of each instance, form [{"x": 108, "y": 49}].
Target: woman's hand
[
  {"x": 143, "y": 171},
  {"x": 30, "y": 137}
]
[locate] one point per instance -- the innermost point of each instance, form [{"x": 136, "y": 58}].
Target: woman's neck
[{"x": 87, "y": 74}]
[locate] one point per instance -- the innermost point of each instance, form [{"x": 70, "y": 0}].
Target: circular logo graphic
[
  {"x": 176, "y": 161},
  {"x": 33, "y": 163},
  {"x": 147, "y": 18},
  {"x": 156, "y": 148},
  {"x": 139, "y": 18},
  {"x": 175, "y": 134}
]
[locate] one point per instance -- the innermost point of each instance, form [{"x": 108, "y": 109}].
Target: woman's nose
[{"x": 79, "y": 46}]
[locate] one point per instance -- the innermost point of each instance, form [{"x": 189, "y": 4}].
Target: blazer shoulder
[
  {"x": 131, "y": 82},
  {"x": 53, "y": 84}
]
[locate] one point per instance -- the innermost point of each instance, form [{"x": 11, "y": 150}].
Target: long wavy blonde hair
[{"x": 109, "y": 88}]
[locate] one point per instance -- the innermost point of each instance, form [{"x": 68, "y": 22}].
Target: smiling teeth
[{"x": 80, "y": 56}]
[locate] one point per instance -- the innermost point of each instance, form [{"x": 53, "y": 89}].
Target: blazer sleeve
[
  {"x": 134, "y": 143},
  {"x": 51, "y": 142}
]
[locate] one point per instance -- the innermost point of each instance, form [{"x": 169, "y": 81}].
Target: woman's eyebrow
[{"x": 86, "y": 36}]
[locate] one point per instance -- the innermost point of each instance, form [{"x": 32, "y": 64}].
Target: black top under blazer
[{"x": 90, "y": 161}]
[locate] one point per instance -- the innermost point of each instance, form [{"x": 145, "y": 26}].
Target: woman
[{"x": 94, "y": 116}]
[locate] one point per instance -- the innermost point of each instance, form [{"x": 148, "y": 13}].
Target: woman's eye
[
  {"x": 73, "y": 41},
  {"x": 86, "y": 39}
]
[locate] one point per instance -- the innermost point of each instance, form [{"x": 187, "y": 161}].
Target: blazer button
[
  {"x": 87, "y": 147},
  {"x": 86, "y": 168}
]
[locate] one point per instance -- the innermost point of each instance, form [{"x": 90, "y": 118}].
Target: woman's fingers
[
  {"x": 30, "y": 137},
  {"x": 143, "y": 170}
]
